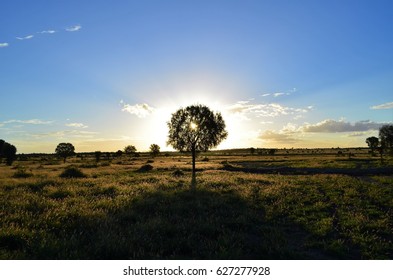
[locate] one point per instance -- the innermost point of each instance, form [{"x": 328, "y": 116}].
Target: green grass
[{"x": 116, "y": 212}]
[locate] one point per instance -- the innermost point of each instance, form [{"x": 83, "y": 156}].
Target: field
[{"x": 295, "y": 204}]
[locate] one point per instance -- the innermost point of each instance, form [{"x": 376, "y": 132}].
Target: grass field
[{"x": 293, "y": 205}]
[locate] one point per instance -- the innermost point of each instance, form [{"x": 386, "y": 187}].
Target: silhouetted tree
[
  {"x": 1, "y": 148},
  {"x": 97, "y": 154},
  {"x": 119, "y": 153},
  {"x": 130, "y": 149},
  {"x": 195, "y": 128},
  {"x": 386, "y": 137},
  {"x": 372, "y": 143},
  {"x": 272, "y": 152},
  {"x": 9, "y": 152},
  {"x": 65, "y": 150},
  {"x": 154, "y": 150},
  {"x": 252, "y": 150}
]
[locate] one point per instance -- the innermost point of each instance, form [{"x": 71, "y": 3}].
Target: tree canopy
[
  {"x": 8, "y": 151},
  {"x": 154, "y": 150},
  {"x": 196, "y": 127},
  {"x": 373, "y": 143},
  {"x": 65, "y": 150},
  {"x": 386, "y": 137},
  {"x": 130, "y": 149}
]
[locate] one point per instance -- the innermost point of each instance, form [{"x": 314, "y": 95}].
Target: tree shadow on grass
[
  {"x": 199, "y": 224},
  {"x": 171, "y": 223}
]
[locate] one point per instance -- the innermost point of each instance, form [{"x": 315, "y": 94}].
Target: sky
[{"x": 105, "y": 74}]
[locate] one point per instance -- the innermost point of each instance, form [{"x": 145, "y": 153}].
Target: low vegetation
[{"x": 255, "y": 211}]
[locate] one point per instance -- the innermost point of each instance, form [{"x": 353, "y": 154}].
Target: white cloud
[
  {"x": 245, "y": 108},
  {"x": 277, "y": 94},
  {"x": 77, "y": 125},
  {"x": 25, "y": 38},
  {"x": 47, "y": 32},
  {"x": 332, "y": 126},
  {"x": 73, "y": 28},
  {"x": 278, "y": 137},
  {"x": 66, "y": 134},
  {"x": 388, "y": 105},
  {"x": 3, "y": 45},
  {"x": 140, "y": 110},
  {"x": 32, "y": 121}
]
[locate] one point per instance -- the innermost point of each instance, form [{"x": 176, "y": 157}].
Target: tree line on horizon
[{"x": 195, "y": 129}]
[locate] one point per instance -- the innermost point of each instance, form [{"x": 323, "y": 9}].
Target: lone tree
[
  {"x": 130, "y": 149},
  {"x": 97, "y": 155},
  {"x": 8, "y": 151},
  {"x": 372, "y": 143},
  {"x": 65, "y": 150},
  {"x": 386, "y": 137},
  {"x": 195, "y": 128},
  {"x": 154, "y": 150}
]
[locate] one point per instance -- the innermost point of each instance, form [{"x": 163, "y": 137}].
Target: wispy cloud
[
  {"x": 333, "y": 126},
  {"x": 28, "y": 37},
  {"x": 140, "y": 110},
  {"x": 246, "y": 108},
  {"x": 74, "y": 28},
  {"x": 277, "y": 94},
  {"x": 47, "y": 32},
  {"x": 388, "y": 105},
  {"x": 31, "y": 121},
  {"x": 76, "y": 125},
  {"x": 66, "y": 134},
  {"x": 278, "y": 137}
]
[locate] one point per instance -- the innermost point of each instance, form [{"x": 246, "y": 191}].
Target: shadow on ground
[{"x": 178, "y": 224}]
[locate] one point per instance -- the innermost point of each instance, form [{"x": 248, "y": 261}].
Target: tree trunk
[{"x": 193, "y": 180}]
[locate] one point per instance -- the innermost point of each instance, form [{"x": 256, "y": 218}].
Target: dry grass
[{"x": 119, "y": 213}]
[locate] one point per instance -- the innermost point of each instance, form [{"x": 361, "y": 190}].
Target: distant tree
[
  {"x": 372, "y": 143},
  {"x": 97, "y": 155},
  {"x": 1, "y": 148},
  {"x": 386, "y": 137},
  {"x": 65, "y": 150},
  {"x": 9, "y": 152},
  {"x": 130, "y": 149},
  {"x": 272, "y": 152},
  {"x": 154, "y": 150},
  {"x": 252, "y": 150},
  {"x": 195, "y": 128},
  {"x": 119, "y": 153}
]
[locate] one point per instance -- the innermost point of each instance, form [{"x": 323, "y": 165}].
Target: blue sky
[{"x": 105, "y": 74}]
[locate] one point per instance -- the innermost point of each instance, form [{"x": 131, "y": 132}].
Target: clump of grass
[
  {"x": 205, "y": 159},
  {"x": 150, "y": 161},
  {"x": 145, "y": 168},
  {"x": 72, "y": 172},
  {"x": 178, "y": 173},
  {"x": 22, "y": 173},
  {"x": 88, "y": 165}
]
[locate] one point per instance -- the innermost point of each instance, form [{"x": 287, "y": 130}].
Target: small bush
[
  {"x": 145, "y": 168},
  {"x": 88, "y": 165},
  {"x": 178, "y": 173},
  {"x": 22, "y": 173},
  {"x": 205, "y": 159},
  {"x": 150, "y": 161},
  {"x": 72, "y": 172}
]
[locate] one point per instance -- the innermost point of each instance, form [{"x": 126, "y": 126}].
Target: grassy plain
[{"x": 293, "y": 205}]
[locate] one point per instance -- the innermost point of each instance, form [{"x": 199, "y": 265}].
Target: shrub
[
  {"x": 178, "y": 173},
  {"x": 72, "y": 172},
  {"x": 145, "y": 168},
  {"x": 22, "y": 173}
]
